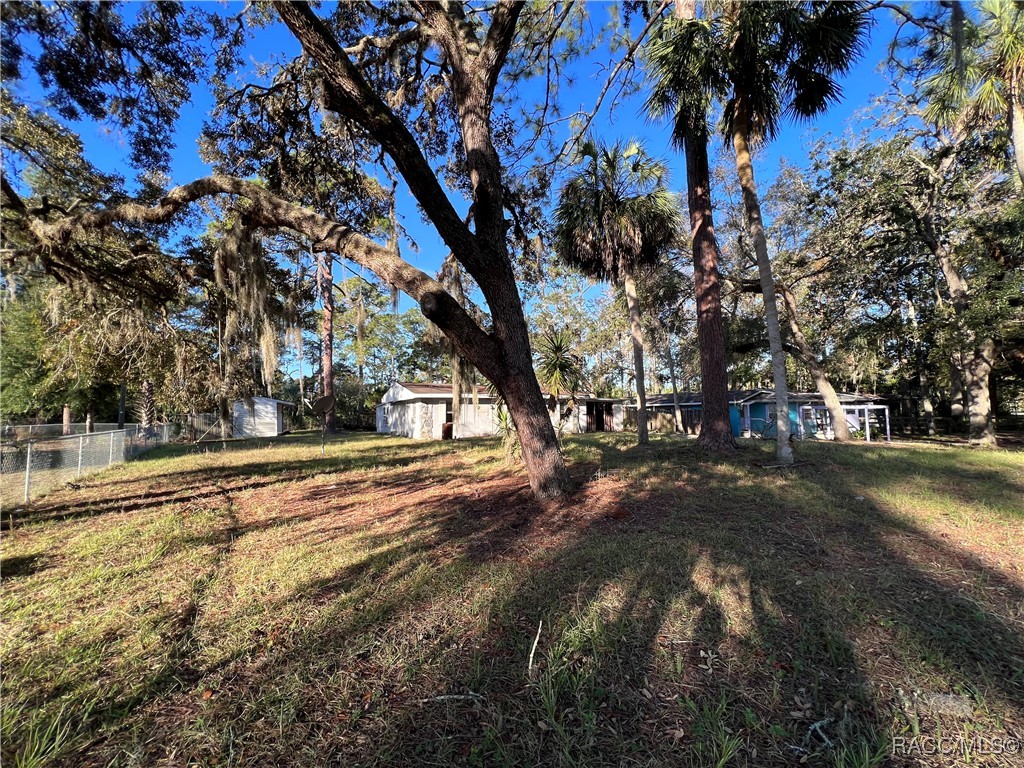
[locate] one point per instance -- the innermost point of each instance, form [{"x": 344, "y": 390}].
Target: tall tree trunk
[
  {"x": 1016, "y": 117},
  {"x": 755, "y": 224},
  {"x": 502, "y": 355},
  {"x": 90, "y": 423},
  {"x": 66, "y": 420},
  {"x": 677, "y": 412},
  {"x": 325, "y": 285},
  {"x": 121, "y": 404},
  {"x": 224, "y": 413},
  {"x": 977, "y": 367},
  {"x": 840, "y": 428},
  {"x": 637, "y": 334},
  {"x": 715, "y": 427},
  {"x": 147, "y": 406},
  {"x": 979, "y": 401}
]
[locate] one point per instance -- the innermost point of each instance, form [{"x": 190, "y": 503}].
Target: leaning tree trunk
[
  {"x": 325, "y": 284},
  {"x": 637, "y": 334},
  {"x": 501, "y": 354},
  {"x": 840, "y": 428},
  {"x": 755, "y": 224},
  {"x": 715, "y": 427}
]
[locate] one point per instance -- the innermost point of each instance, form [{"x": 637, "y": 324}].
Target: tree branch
[
  {"x": 271, "y": 212},
  {"x": 499, "y": 39},
  {"x": 351, "y": 96}
]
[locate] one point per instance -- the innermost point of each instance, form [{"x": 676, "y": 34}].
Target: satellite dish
[{"x": 322, "y": 405}]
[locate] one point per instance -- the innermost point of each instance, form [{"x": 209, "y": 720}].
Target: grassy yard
[{"x": 380, "y": 606}]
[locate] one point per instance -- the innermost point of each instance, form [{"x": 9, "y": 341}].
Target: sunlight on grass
[{"x": 263, "y": 605}]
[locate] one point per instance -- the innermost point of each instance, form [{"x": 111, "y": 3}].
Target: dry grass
[{"x": 264, "y": 606}]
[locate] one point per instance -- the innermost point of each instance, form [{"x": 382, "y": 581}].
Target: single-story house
[
  {"x": 261, "y": 417},
  {"x": 752, "y": 413},
  {"x": 421, "y": 411}
]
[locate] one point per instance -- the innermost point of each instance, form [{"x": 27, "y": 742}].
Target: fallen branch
[{"x": 529, "y": 664}]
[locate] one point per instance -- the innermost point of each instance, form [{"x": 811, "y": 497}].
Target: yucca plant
[{"x": 559, "y": 370}]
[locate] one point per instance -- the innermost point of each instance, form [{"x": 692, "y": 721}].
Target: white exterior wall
[
  {"x": 575, "y": 423},
  {"x": 397, "y": 419},
  {"x": 477, "y": 421},
  {"x": 261, "y": 420}
]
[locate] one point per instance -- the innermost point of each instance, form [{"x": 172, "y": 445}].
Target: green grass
[{"x": 264, "y": 605}]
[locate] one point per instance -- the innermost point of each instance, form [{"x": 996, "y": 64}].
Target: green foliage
[
  {"x": 616, "y": 214},
  {"x": 559, "y": 366},
  {"x": 133, "y": 70},
  {"x": 23, "y": 372},
  {"x": 785, "y": 56}
]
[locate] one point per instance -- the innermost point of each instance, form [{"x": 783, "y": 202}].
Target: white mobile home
[{"x": 261, "y": 417}]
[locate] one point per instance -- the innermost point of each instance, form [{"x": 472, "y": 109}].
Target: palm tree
[
  {"x": 685, "y": 77},
  {"x": 767, "y": 60},
  {"x": 981, "y": 72},
  {"x": 783, "y": 60},
  {"x": 614, "y": 219}
]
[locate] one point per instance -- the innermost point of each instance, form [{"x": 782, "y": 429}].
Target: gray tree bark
[
  {"x": 637, "y": 335},
  {"x": 755, "y": 224}
]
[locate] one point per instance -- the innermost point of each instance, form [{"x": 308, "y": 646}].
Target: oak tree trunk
[
  {"x": 715, "y": 428},
  {"x": 637, "y": 335},
  {"x": 755, "y": 225},
  {"x": 977, "y": 373}
]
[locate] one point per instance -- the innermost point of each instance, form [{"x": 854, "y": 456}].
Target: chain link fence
[
  {"x": 36, "y": 431},
  {"x": 30, "y": 469}
]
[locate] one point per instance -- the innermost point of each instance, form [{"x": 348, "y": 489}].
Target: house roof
[
  {"x": 748, "y": 396},
  {"x": 266, "y": 400},
  {"x": 438, "y": 389},
  {"x": 444, "y": 389}
]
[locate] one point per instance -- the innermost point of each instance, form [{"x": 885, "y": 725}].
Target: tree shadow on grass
[
  {"x": 196, "y": 484},
  {"x": 684, "y": 616}
]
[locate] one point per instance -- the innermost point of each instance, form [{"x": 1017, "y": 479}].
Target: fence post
[
  {"x": 28, "y": 472},
  {"x": 110, "y": 458},
  {"x": 81, "y": 446}
]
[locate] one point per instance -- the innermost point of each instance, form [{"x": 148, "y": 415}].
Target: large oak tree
[{"x": 360, "y": 67}]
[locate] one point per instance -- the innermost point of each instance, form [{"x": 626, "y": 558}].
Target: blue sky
[{"x": 109, "y": 151}]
